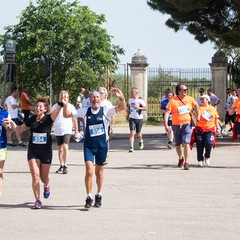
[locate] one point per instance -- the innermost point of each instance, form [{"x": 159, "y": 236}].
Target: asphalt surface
[{"x": 145, "y": 195}]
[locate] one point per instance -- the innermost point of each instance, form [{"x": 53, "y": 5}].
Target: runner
[
  {"x": 164, "y": 103},
  {"x": 135, "y": 107},
  {"x": 40, "y": 145},
  {"x": 97, "y": 121}
]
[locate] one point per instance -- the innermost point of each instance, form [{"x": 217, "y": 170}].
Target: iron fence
[{"x": 159, "y": 79}]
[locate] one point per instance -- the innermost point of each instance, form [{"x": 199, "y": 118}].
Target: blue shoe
[
  {"x": 37, "y": 204},
  {"x": 47, "y": 191}
]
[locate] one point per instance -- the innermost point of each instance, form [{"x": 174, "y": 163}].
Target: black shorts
[
  {"x": 63, "y": 139},
  {"x": 45, "y": 156},
  {"x": 135, "y": 125}
]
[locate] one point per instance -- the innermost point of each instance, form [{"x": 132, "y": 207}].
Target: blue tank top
[
  {"x": 95, "y": 135},
  {"x": 3, "y": 135}
]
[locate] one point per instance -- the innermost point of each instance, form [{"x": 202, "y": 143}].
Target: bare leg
[
  {"x": 34, "y": 165},
  {"x": 88, "y": 176},
  {"x": 131, "y": 138},
  {"x": 99, "y": 177},
  {"x": 1, "y": 174}
]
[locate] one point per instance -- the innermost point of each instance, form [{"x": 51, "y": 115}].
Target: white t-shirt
[
  {"x": 12, "y": 111},
  {"x": 86, "y": 103},
  {"x": 63, "y": 125},
  {"x": 107, "y": 112},
  {"x": 106, "y": 103},
  {"x": 135, "y": 113}
]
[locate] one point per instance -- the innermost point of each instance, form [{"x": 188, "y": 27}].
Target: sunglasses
[{"x": 184, "y": 89}]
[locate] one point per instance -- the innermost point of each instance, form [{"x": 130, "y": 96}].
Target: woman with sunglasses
[{"x": 204, "y": 134}]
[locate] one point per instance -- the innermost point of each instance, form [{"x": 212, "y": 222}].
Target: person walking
[
  {"x": 40, "y": 145},
  {"x": 3, "y": 144},
  {"x": 11, "y": 105},
  {"x": 164, "y": 103},
  {"x": 135, "y": 107},
  {"x": 180, "y": 106},
  {"x": 204, "y": 134},
  {"x": 26, "y": 103},
  {"x": 63, "y": 132},
  {"x": 97, "y": 120}
]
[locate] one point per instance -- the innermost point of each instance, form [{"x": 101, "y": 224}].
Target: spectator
[
  {"x": 12, "y": 105},
  {"x": 26, "y": 103}
]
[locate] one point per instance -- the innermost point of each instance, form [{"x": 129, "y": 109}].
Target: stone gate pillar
[
  {"x": 219, "y": 80},
  {"x": 138, "y": 68}
]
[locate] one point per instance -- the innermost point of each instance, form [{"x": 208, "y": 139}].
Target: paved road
[{"x": 145, "y": 196}]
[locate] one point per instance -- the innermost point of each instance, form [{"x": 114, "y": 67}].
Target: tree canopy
[
  {"x": 67, "y": 35},
  {"x": 214, "y": 20}
]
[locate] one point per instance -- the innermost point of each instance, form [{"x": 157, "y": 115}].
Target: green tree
[
  {"x": 214, "y": 20},
  {"x": 68, "y": 35}
]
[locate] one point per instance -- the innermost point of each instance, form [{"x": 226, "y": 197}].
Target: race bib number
[
  {"x": 183, "y": 110},
  {"x": 96, "y": 130},
  {"x": 206, "y": 115},
  {"x": 39, "y": 138}
]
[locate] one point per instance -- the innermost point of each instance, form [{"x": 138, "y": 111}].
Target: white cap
[{"x": 205, "y": 96}]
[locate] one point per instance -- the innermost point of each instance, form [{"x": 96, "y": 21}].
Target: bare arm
[{"x": 122, "y": 105}]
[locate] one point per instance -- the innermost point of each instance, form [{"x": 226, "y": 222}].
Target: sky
[{"x": 134, "y": 25}]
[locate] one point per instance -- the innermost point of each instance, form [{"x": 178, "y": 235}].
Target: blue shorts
[
  {"x": 99, "y": 153},
  {"x": 182, "y": 133}
]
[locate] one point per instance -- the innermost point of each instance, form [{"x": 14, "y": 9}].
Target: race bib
[
  {"x": 206, "y": 115},
  {"x": 96, "y": 130},
  {"x": 183, "y": 109},
  {"x": 39, "y": 138}
]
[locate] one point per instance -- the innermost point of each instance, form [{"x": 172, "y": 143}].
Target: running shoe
[
  {"x": 131, "y": 149},
  {"x": 12, "y": 144},
  {"x": 180, "y": 162},
  {"x": 21, "y": 144},
  {"x": 141, "y": 145},
  {"x": 37, "y": 205},
  {"x": 89, "y": 202},
  {"x": 169, "y": 146},
  {"x": 98, "y": 201},
  {"x": 60, "y": 170},
  {"x": 186, "y": 166},
  {"x": 107, "y": 160},
  {"x": 47, "y": 191},
  {"x": 65, "y": 170}
]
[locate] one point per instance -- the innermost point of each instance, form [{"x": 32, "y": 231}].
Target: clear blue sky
[{"x": 135, "y": 26}]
